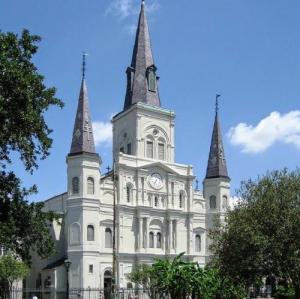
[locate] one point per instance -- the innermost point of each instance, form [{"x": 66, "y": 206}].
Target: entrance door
[{"x": 107, "y": 284}]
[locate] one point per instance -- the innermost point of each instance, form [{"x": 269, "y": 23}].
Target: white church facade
[{"x": 147, "y": 199}]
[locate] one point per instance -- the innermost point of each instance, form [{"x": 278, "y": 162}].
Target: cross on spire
[
  {"x": 84, "y": 54},
  {"x": 83, "y": 140},
  {"x": 217, "y": 102},
  {"x": 216, "y": 166}
]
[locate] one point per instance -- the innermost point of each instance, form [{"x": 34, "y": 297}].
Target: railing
[{"x": 88, "y": 293}]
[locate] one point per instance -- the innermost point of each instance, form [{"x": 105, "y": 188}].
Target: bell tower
[
  {"x": 216, "y": 185},
  {"x": 143, "y": 129},
  {"x": 83, "y": 174}
]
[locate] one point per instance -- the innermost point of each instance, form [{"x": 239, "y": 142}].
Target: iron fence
[{"x": 79, "y": 293}]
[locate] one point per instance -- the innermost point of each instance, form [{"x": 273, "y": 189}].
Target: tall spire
[
  {"x": 83, "y": 139},
  {"x": 142, "y": 81},
  {"x": 216, "y": 166}
]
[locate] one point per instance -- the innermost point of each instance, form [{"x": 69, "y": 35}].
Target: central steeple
[{"x": 142, "y": 81}]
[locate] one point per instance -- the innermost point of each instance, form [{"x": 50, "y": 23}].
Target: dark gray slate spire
[
  {"x": 142, "y": 82},
  {"x": 216, "y": 166},
  {"x": 83, "y": 139}
]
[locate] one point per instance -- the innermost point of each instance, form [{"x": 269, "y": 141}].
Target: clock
[{"x": 156, "y": 180}]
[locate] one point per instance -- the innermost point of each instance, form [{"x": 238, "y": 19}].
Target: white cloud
[
  {"x": 273, "y": 128},
  {"x": 121, "y": 8},
  {"x": 102, "y": 133},
  {"x": 125, "y": 8}
]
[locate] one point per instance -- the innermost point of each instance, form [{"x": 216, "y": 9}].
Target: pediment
[{"x": 162, "y": 166}]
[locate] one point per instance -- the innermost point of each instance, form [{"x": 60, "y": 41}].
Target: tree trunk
[{"x": 297, "y": 291}]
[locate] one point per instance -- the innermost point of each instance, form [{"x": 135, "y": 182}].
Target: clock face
[{"x": 156, "y": 180}]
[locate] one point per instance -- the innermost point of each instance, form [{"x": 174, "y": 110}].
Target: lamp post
[{"x": 67, "y": 265}]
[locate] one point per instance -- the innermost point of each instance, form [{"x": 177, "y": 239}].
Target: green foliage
[
  {"x": 181, "y": 279},
  {"x": 11, "y": 269},
  {"x": 261, "y": 237},
  {"x": 23, "y": 101},
  {"x": 142, "y": 275}
]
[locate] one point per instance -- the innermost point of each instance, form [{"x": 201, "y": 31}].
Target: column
[
  {"x": 170, "y": 235},
  {"x": 146, "y": 232},
  {"x": 140, "y": 233},
  {"x": 175, "y": 235}
]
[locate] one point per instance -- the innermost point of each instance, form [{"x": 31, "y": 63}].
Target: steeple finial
[
  {"x": 142, "y": 81},
  {"x": 217, "y": 102},
  {"x": 216, "y": 166},
  {"x": 84, "y": 54}
]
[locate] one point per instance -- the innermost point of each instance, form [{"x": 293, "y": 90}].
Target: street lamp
[{"x": 67, "y": 265}]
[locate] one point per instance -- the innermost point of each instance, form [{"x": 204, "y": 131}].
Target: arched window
[
  {"x": 108, "y": 238},
  {"x": 90, "y": 233},
  {"x": 75, "y": 234},
  {"x": 225, "y": 202},
  {"x": 156, "y": 201},
  {"x": 158, "y": 240},
  {"x": 149, "y": 149},
  {"x": 75, "y": 185},
  {"x": 161, "y": 151},
  {"x": 212, "y": 202},
  {"x": 198, "y": 243},
  {"x": 181, "y": 198},
  {"x": 90, "y": 186},
  {"x": 151, "y": 240}
]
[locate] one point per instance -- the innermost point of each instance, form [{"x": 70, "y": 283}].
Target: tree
[
  {"x": 261, "y": 236},
  {"x": 23, "y": 101},
  {"x": 11, "y": 270},
  {"x": 142, "y": 275},
  {"x": 181, "y": 279}
]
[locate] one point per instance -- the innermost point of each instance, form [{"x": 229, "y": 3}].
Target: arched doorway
[{"x": 107, "y": 284}]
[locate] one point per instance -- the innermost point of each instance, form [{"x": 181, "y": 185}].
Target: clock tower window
[
  {"x": 149, "y": 149},
  {"x": 156, "y": 201},
  {"x": 161, "y": 151}
]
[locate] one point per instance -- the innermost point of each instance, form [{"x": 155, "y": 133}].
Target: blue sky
[{"x": 248, "y": 51}]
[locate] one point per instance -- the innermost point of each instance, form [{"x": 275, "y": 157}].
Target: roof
[
  {"x": 142, "y": 64},
  {"x": 55, "y": 264},
  {"x": 83, "y": 138},
  {"x": 216, "y": 166}
]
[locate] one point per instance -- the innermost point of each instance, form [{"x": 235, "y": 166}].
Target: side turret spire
[
  {"x": 83, "y": 139},
  {"x": 216, "y": 166},
  {"x": 142, "y": 81}
]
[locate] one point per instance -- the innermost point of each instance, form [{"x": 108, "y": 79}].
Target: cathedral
[{"x": 145, "y": 207}]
